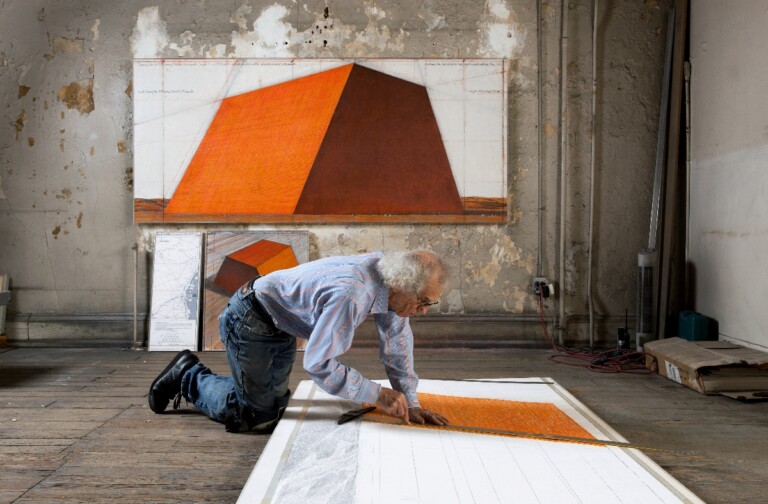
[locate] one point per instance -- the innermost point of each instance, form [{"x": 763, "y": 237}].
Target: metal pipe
[
  {"x": 6, "y": 299},
  {"x": 135, "y": 248},
  {"x": 661, "y": 140},
  {"x": 540, "y": 202},
  {"x": 592, "y": 177},
  {"x": 688, "y": 287},
  {"x": 563, "y": 161},
  {"x": 687, "y": 74}
]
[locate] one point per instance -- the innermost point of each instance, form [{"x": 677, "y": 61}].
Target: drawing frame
[{"x": 179, "y": 118}]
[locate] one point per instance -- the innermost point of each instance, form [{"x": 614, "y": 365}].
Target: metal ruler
[{"x": 530, "y": 435}]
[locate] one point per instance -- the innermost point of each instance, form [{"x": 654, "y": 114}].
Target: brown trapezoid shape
[{"x": 382, "y": 153}]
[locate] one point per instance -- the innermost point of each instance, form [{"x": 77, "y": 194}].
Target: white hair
[{"x": 410, "y": 271}]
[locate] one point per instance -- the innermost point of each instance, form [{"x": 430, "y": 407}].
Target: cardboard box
[{"x": 711, "y": 367}]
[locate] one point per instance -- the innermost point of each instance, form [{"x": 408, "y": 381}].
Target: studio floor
[{"x": 75, "y": 425}]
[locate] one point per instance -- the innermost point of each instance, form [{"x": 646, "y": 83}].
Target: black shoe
[{"x": 167, "y": 385}]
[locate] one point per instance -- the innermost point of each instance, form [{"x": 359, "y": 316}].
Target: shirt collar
[{"x": 381, "y": 303}]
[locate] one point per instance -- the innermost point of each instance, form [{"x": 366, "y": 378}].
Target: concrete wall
[
  {"x": 729, "y": 166},
  {"x": 66, "y": 230}
]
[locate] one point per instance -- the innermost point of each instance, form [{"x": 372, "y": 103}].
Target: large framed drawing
[{"x": 367, "y": 140}]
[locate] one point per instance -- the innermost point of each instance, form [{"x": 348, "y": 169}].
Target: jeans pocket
[{"x": 252, "y": 328}]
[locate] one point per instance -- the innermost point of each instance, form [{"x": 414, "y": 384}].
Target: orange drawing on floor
[{"x": 499, "y": 414}]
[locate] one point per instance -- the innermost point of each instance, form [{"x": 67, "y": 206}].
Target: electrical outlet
[{"x": 541, "y": 286}]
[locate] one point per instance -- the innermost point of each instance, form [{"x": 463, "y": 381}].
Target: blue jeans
[{"x": 260, "y": 357}]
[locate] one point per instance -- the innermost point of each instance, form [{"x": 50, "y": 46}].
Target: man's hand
[
  {"x": 393, "y": 402},
  {"x": 422, "y": 416}
]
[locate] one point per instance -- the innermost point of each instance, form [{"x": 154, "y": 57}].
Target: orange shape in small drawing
[{"x": 261, "y": 258}]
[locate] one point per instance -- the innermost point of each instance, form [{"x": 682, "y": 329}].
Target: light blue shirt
[{"x": 324, "y": 302}]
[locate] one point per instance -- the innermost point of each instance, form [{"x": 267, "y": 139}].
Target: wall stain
[
  {"x": 121, "y": 147},
  {"x": 518, "y": 297},
  {"x": 19, "y": 123},
  {"x": 93, "y": 150},
  {"x": 78, "y": 95},
  {"x": 95, "y": 30},
  {"x": 719, "y": 233},
  {"x": 56, "y": 232},
  {"x": 149, "y": 36},
  {"x": 66, "y": 193},
  {"x": 31, "y": 141},
  {"x": 80, "y": 220},
  {"x": 61, "y": 144},
  {"x": 502, "y": 34},
  {"x": 23, "y": 90},
  {"x": 64, "y": 45},
  {"x": 128, "y": 179},
  {"x": 129, "y": 89}
]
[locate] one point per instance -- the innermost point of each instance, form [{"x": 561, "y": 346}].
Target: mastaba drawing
[
  {"x": 346, "y": 141},
  {"x": 261, "y": 258},
  {"x": 233, "y": 258}
]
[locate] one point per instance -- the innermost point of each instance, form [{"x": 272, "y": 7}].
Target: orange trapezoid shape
[{"x": 260, "y": 147}]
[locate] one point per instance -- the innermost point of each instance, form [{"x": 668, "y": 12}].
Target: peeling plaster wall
[{"x": 66, "y": 160}]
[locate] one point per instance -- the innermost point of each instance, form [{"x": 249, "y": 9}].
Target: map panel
[{"x": 175, "y": 292}]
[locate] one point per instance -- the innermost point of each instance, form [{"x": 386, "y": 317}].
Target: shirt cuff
[
  {"x": 413, "y": 402},
  {"x": 368, "y": 392}
]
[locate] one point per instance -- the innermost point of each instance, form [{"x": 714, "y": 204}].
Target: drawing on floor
[
  {"x": 310, "y": 457},
  {"x": 320, "y": 140},
  {"x": 175, "y": 309},
  {"x": 233, "y": 258},
  {"x": 498, "y": 416}
]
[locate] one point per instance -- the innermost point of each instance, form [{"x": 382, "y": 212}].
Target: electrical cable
[{"x": 600, "y": 361}]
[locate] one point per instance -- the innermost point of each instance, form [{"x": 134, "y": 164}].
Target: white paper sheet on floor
[{"x": 312, "y": 459}]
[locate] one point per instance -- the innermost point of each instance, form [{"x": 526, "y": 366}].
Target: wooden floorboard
[{"x": 75, "y": 426}]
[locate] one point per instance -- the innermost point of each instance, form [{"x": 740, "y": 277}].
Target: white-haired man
[{"x": 323, "y": 302}]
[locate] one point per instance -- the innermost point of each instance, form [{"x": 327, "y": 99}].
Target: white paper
[{"x": 395, "y": 464}]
